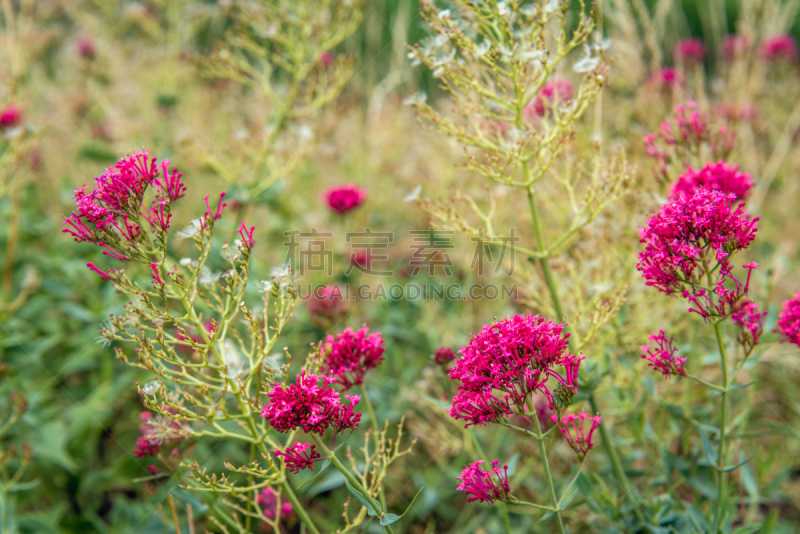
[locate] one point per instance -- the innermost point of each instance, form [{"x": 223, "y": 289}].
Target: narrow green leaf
[
  {"x": 388, "y": 519},
  {"x": 584, "y": 485},
  {"x": 740, "y": 464},
  {"x": 325, "y": 465},
  {"x": 708, "y": 449},
  {"x": 751, "y": 529},
  {"x": 732, "y": 388},
  {"x": 546, "y": 516},
  {"x": 370, "y": 510}
]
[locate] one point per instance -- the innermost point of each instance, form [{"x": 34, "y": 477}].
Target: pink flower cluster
[
  {"x": 306, "y": 405},
  {"x": 515, "y": 357},
  {"x": 689, "y": 50},
  {"x": 662, "y": 356},
  {"x": 778, "y": 47},
  {"x": 573, "y": 428},
  {"x": 789, "y": 320},
  {"x": 666, "y": 78},
  {"x": 10, "y": 117},
  {"x": 444, "y": 355},
  {"x": 344, "y": 198},
  {"x": 86, "y": 47},
  {"x": 733, "y": 45},
  {"x": 688, "y": 130},
  {"x": 326, "y": 304},
  {"x": 268, "y": 500},
  {"x": 688, "y": 231},
  {"x": 349, "y": 355},
  {"x": 750, "y": 321},
  {"x": 144, "y": 446},
  {"x": 552, "y": 94},
  {"x": 721, "y": 176},
  {"x": 299, "y": 456},
  {"x": 484, "y": 486}
]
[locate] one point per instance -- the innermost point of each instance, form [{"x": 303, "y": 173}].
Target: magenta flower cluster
[
  {"x": 268, "y": 501},
  {"x": 662, "y": 355},
  {"x": 552, "y": 94},
  {"x": 306, "y": 405},
  {"x": 780, "y": 46},
  {"x": 721, "y": 176},
  {"x": 344, "y": 198},
  {"x": 573, "y": 428},
  {"x": 349, "y": 355},
  {"x": 750, "y": 321},
  {"x": 299, "y": 456},
  {"x": 693, "y": 233},
  {"x": 789, "y": 320},
  {"x": 444, "y": 355},
  {"x": 689, "y": 50},
  {"x": 485, "y": 486},
  {"x": 516, "y": 358},
  {"x": 10, "y": 116}
]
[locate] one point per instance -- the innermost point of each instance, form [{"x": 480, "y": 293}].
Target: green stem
[
  {"x": 382, "y": 494},
  {"x": 722, "y": 481},
  {"x": 350, "y": 478},
  {"x": 544, "y": 261},
  {"x": 482, "y": 454},
  {"x": 549, "y": 477}
]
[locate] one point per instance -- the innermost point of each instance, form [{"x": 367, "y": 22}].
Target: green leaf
[
  {"x": 388, "y": 519},
  {"x": 740, "y": 464},
  {"x": 370, "y": 510},
  {"x": 566, "y": 499},
  {"x": 546, "y": 516},
  {"x": 732, "y": 388},
  {"x": 751, "y": 529},
  {"x": 708, "y": 449},
  {"x": 325, "y": 465}
]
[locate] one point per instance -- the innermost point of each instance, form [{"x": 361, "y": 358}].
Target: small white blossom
[
  {"x": 587, "y": 62},
  {"x": 189, "y": 231},
  {"x": 418, "y": 97},
  {"x": 151, "y": 387},
  {"x": 551, "y": 6},
  {"x": 444, "y": 14},
  {"x": 483, "y": 48},
  {"x": 186, "y": 262},
  {"x": 233, "y": 360},
  {"x": 413, "y": 195},
  {"x": 207, "y": 277}
]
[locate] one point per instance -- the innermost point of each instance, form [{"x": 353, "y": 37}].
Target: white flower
[
  {"x": 189, "y": 231},
  {"x": 207, "y": 277},
  {"x": 417, "y": 97},
  {"x": 551, "y": 6},
  {"x": 186, "y": 262},
  {"x": 151, "y": 387},
  {"x": 233, "y": 360},
  {"x": 587, "y": 62},
  {"x": 444, "y": 14},
  {"x": 483, "y": 48}
]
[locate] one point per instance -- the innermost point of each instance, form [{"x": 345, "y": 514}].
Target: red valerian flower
[
  {"x": 750, "y": 321},
  {"x": 733, "y": 45},
  {"x": 444, "y": 355},
  {"x": 485, "y": 486},
  {"x": 690, "y": 49},
  {"x": 552, "y": 94},
  {"x": 344, "y": 198},
  {"x": 662, "y": 357},
  {"x": 349, "y": 355},
  {"x": 516, "y": 357},
  {"x": 692, "y": 233},
  {"x": 789, "y": 320},
  {"x": 306, "y": 405},
  {"x": 572, "y": 426},
  {"x": 299, "y": 456},
  {"x": 721, "y": 176},
  {"x": 779, "y": 47},
  {"x": 86, "y": 47},
  {"x": 326, "y": 304},
  {"x": 666, "y": 78},
  {"x": 268, "y": 500},
  {"x": 10, "y": 117}
]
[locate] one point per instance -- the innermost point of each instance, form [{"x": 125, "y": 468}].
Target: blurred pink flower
[
  {"x": 689, "y": 50},
  {"x": 484, "y": 486},
  {"x": 10, "y": 116},
  {"x": 789, "y": 320},
  {"x": 552, "y": 94},
  {"x": 444, "y": 355},
  {"x": 666, "y": 77},
  {"x": 326, "y": 59},
  {"x": 733, "y": 45},
  {"x": 779, "y": 47},
  {"x": 349, "y": 355},
  {"x": 344, "y": 198},
  {"x": 720, "y": 176},
  {"x": 86, "y": 47},
  {"x": 327, "y": 304},
  {"x": 268, "y": 500}
]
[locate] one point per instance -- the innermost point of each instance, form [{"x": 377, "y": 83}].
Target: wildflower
[
  {"x": 85, "y": 47},
  {"x": 662, "y": 358},
  {"x": 666, "y": 77},
  {"x": 247, "y": 235},
  {"x": 552, "y": 94},
  {"x": 780, "y": 46},
  {"x": 326, "y": 59},
  {"x": 688, "y": 231},
  {"x": 103, "y": 274},
  {"x": 485, "y": 486},
  {"x": 736, "y": 111},
  {"x": 326, "y": 303},
  {"x": 789, "y": 320},
  {"x": 268, "y": 500},
  {"x": 349, "y": 355},
  {"x": 572, "y": 427},
  {"x": 155, "y": 431},
  {"x": 750, "y": 321},
  {"x": 516, "y": 357},
  {"x": 734, "y": 45},
  {"x": 689, "y": 50},
  {"x": 306, "y": 405},
  {"x": 10, "y": 117},
  {"x": 299, "y": 456},
  {"x": 478, "y": 408},
  {"x": 344, "y": 198},
  {"x": 444, "y": 355},
  {"x": 721, "y": 176}
]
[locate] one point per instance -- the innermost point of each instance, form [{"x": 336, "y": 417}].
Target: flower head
[
  {"x": 10, "y": 117},
  {"x": 733, "y": 45},
  {"x": 689, "y": 230},
  {"x": 780, "y": 46},
  {"x": 344, "y": 198},
  {"x": 552, "y": 94},
  {"x": 349, "y": 355},
  {"x": 573, "y": 428},
  {"x": 479, "y": 407},
  {"x": 789, "y": 320},
  {"x": 689, "y": 50},
  {"x": 750, "y": 321},
  {"x": 484, "y": 486},
  {"x": 721, "y": 176},
  {"x": 444, "y": 355},
  {"x": 306, "y": 405},
  {"x": 326, "y": 58},
  {"x": 515, "y": 357},
  {"x": 327, "y": 304},
  {"x": 268, "y": 500},
  {"x": 86, "y": 47},
  {"x": 666, "y": 77},
  {"x": 662, "y": 357},
  {"x": 299, "y": 456}
]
